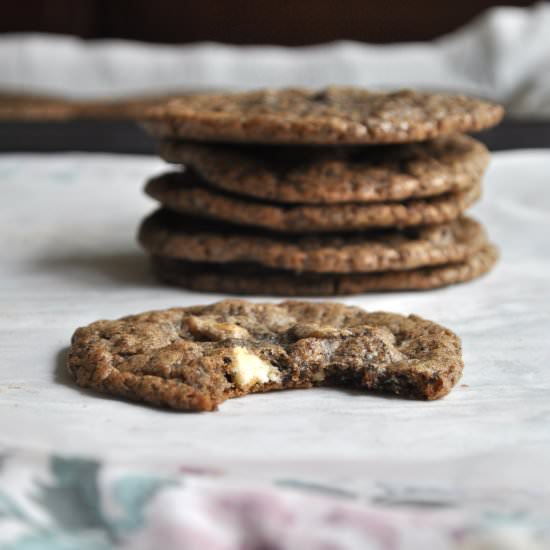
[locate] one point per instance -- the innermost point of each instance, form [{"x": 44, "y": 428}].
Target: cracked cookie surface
[
  {"x": 241, "y": 278},
  {"x": 335, "y": 115},
  {"x": 187, "y": 193},
  {"x": 321, "y": 175},
  {"x": 195, "y": 358},
  {"x": 168, "y": 234}
]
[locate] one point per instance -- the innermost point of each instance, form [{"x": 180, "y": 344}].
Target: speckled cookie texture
[
  {"x": 195, "y": 358},
  {"x": 184, "y": 192},
  {"x": 318, "y": 192},
  {"x": 320, "y": 175},
  {"x": 235, "y": 278},
  {"x": 335, "y": 115},
  {"x": 167, "y": 234}
]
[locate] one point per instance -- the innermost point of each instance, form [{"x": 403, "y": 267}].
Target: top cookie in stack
[{"x": 339, "y": 191}]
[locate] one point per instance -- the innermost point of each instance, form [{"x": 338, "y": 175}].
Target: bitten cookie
[
  {"x": 335, "y": 115},
  {"x": 195, "y": 358},
  {"x": 321, "y": 175}
]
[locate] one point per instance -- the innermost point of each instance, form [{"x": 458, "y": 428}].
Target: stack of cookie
[{"x": 341, "y": 191}]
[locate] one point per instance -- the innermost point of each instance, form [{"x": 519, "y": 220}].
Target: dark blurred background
[
  {"x": 281, "y": 22},
  {"x": 285, "y": 22}
]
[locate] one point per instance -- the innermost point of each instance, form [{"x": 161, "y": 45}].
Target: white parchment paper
[{"x": 69, "y": 257}]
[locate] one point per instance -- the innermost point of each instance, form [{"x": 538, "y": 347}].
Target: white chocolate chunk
[
  {"x": 210, "y": 328},
  {"x": 248, "y": 369},
  {"x": 319, "y": 376}
]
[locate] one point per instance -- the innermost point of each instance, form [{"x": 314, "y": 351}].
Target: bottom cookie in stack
[{"x": 213, "y": 256}]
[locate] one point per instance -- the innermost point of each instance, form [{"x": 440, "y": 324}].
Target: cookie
[
  {"x": 29, "y": 107},
  {"x": 235, "y": 278},
  {"x": 323, "y": 175},
  {"x": 24, "y": 106},
  {"x": 165, "y": 233},
  {"x": 335, "y": 115},
  {"x": 185, "y": 192},
  {"x": 195, "y": 358}
]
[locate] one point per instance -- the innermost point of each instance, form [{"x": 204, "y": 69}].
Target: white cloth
[
  {"x": 504, "y": 54},
  {"x": 69, "y": 257},
  {"x": 472, "y": 468}
]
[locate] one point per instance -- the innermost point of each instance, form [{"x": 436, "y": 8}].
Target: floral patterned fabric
[{"x": 59, "y": 503}]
